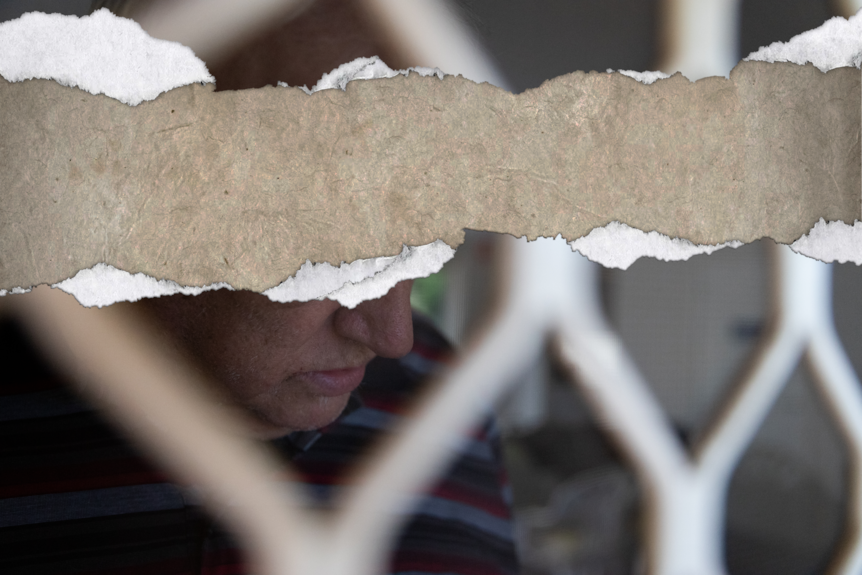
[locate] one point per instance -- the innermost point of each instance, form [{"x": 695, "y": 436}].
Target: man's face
[{"x": 293, "y": 365}]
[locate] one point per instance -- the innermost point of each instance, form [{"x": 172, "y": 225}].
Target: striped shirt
[{"x": 76, "y": 497}]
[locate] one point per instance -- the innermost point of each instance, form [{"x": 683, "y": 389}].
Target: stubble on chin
[
  {"x": 302, "y": 416},
  {"x": 289, "y": 407}
]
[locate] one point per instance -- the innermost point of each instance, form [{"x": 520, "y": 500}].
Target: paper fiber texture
[
  {"x": 243, "y": 187},
  {"x": 51, "y": 230}
]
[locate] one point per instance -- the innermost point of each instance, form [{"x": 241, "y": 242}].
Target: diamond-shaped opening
[
  {"x": 690, "y": 325},
  {"x": 576, "y": 501},
  {"x": 787, "y": 498}
]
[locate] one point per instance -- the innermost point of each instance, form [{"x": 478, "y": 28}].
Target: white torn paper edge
[
  {"x": 72, "y": 51},
  {"x": 353, "y": 283},
  {"x": 363, "y": 69},
  {"x": 348, "y": 284},
  {"x": 618, "y": 246},
  {"x": 832, "y": 242},
  {"x": 835, "y": 44},
  {"x": 100, "y": 53},
  {"x": 643, "y": 77}
]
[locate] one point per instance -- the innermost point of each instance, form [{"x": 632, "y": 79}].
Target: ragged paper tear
[
  {"x": 73, "y": 51},
  {"x": 68, "y": 49},
  {"x": 101, "y": 54},
  {"x": 348, "y": 284}
]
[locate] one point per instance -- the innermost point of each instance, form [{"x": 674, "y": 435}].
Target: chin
[{"x": 316, "y": 414}]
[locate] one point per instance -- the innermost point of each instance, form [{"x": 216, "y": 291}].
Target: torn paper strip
[{"x": 252, "y": 184}]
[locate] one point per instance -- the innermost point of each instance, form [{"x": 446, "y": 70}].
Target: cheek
[
  {"x": 249, "y": 374},
  {"x": 258, "y": 364}
]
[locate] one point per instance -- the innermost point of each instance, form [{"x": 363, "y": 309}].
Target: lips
[{"x": 334, "y": 382}]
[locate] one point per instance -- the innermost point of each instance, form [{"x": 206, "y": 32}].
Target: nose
[{"x": 384, "y": 325}]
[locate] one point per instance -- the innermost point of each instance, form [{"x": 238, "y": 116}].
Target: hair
[{"x": 296, "y": 50}]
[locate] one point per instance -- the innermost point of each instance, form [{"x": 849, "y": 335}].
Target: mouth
[{"x": 335, "y": 382}]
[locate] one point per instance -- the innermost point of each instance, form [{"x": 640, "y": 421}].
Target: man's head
[
  {"x": 293, "y": 365},
  {"x": 270, "y": 358}
]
